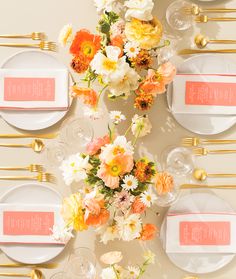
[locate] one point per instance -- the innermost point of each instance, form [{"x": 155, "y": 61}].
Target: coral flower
[
  {"x": 89, "y": 96},
  {"x": 167, "y": 71},
  {"x": 144, "y": 171},
  {"x": 110, "y": 172},
  {"x": 143, "y": 60},
  {"x": 95, "y": 146},
  {"x": 149, "y": 231},
  {"x": 98, "y": 219},
  {"x": 118, "y": 41},
  {"x": 80, "y": 63},
  {"x": 143, "y": 100},
  {"x": 138, "y": 206},
  {"x": 164, "y": 183},
  {"x": 86, "y": 44}
]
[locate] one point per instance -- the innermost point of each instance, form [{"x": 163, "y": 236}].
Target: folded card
[
  {"x": 28, "y": 224},
  {"x": 204, "y": 94},
  {"x": 32, "y": 89},
  {"x": 201, "y": 233}
]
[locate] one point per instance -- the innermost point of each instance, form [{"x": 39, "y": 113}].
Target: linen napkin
[
  {"x": 34, "y": 89},
  {"x": 204, "y": 94}
]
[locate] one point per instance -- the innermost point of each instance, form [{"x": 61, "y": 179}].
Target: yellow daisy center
[
  {"x": 149, "y": 198},
  {"x": 132, "y": 49},
  {"x": 109, "y": 65},
  {"x": 129, "y": 183}
]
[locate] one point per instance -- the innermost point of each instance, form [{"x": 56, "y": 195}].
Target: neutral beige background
[{"x": 22, "y": 16}]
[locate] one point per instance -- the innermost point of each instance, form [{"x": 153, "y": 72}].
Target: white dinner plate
[
  {"x": 198, "y": 263},
  {"x": 205, "y": 124},
  {"x": 32, "y": 193},
  {"x": 32, "y": 120}
]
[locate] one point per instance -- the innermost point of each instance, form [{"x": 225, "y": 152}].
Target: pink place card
[
  {"x": 29, "y": 89},
  {"x": 27, "y": 223},
  {"x": 204, "y": 233},
  {"x": 210, "y": 93}
]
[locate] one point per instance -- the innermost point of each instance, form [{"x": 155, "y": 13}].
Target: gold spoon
[
  {"x": 34, "y": 274},
  {"x": 202, "y": 41},
  {"x": 37, "y": 145},
  {"x": 201, "y": 174}
]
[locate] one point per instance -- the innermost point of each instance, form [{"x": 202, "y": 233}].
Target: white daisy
[
  {"x": 130, "y": 183},
  {"x": 116, "y": 116},
  {"x": 133, "y": 272},
  {"x": 120, "y": 146},
  {"x": 65, "y": 35},
  {"x": 92, "y": 113},
  {"x": 148, "y": 197},
  {"x": 132, "y": 49},
  {"x": 129, "y": 227},
  {"x": 141, "y": 126},
  {"x": 74, "y": 169},
  {"x": 61, "y": 233}
]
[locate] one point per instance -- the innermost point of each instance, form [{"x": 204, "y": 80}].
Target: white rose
[{"x": 140, "y": 9}]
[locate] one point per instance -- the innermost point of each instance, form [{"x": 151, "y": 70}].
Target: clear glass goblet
[
  {"x": 177, "y": 17},
  {"x": 81, "y": 265},
  {"x": 59, "y": 275}
]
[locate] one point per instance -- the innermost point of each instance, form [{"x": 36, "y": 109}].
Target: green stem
[
  {"x": 136, "y": 138},
  {"x": 117, "y": 275},
  {"x": 127, "y": 131}
]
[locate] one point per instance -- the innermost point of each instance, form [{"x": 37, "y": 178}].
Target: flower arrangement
[
  {"x": 122, "y": 56},
  {"x": 117, "y": 189},
  {"x": 115, "y": 271}
]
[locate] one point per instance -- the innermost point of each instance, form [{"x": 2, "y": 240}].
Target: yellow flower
[
  {"x": 146, "y": 33},
  {"x": 72, "y": 212}
]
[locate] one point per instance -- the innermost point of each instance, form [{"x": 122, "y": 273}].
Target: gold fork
[
  {"x": 196, "y": 10},
  {"x": 33, "y": 36},
  {"x": 198, "y": 186},
  {"x": 41, "y": 177},
  {"x": 203, "y": 151},
  {"x": 193, "y": 141},
  {"x": 43, "y": 45},
  {"x": 205, "y": 19},
  {"x": 31, "y": 168}
]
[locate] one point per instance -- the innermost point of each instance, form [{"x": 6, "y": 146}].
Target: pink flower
[
  {"x": 123, "y": 200},
  {"x": 110, "y": 172},
  {"x": 167, "y": 72},
  {"x": 95, "y": 146}
]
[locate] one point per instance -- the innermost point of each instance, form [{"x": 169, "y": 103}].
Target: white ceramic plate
[
  {"x": 198, "y": 263},
  {"x": 32, "y": 193},
  {"x": 32, "y": 120},
  {"x": 205, "y": 124}
]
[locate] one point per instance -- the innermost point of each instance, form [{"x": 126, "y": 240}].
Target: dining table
[{"x": 49, "y": 16}]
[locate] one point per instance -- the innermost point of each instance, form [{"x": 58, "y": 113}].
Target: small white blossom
[
  {"x": 129, "y": 227},
  {"x": 140, "y": 9},
  {"x": 132, "y": 49},
  {"x": 116, "y": 116},
  {"x": 149, "y": 256},
  {"x": 92, "y": 113},
  {"x": 148, "y": 197},
  {"x": 65, "y": 35},
  {"x": 130, "y": 183},
  {"x": 111, "y": 258},
  {"x": 61, "y": 233},
  {"x": 141, "y": 126},
  {"x": 104, "y": 5}
]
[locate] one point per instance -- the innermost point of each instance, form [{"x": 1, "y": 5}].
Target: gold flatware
[
  {"x": 189, "y": 51},
  {"x": 205, "y": 19},
  {"x": 202, "y": 41},
  {"x": 37, "y": 145},
  {"x": 44, "y": 265},
  {"x": 31, "y": 168},
  {"x": 201, "y": 175},
  {"x": 193, "y": 141},
  {"x": 34, "y": 274},
  {"x": 43, "y": 45},
  {"x": 196, "y": 10},
  {"x": 34, "y": 36},
  {"x": 196, "y": 186},
  {"x": 40, "y": 177},
  {"x": 204, "y": 151},
  {"x": 43, "y": 136}
]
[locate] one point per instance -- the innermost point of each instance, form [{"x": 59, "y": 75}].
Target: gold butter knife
[
  {"x": 202, "y": 186},
  {"x": 189, "y": 51},
  {"x": 42, "y": 136}
]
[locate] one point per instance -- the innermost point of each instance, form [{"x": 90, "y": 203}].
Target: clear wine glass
[
  {"x": 177, "y": 17},
  {"x": 59, "y": 275},
  {"x": 169, "y": 198},
  {"x": 177, "y": 160},
  {"x": 81, "y": 265},
  {"x": 76, "y": 132}
]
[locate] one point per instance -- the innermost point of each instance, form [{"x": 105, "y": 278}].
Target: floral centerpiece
[
  {"x": 116, "y": 189},
  {"x": 122, "y": 56}
]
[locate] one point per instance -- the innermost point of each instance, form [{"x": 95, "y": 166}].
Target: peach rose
[
  {"x": 138, "y": 206},
  {"x": 149, "y": 232},
  {"x": 164, "y": 183}
]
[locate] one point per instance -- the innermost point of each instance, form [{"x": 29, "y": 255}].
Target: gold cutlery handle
[
  {"x": 222, "y": 41},
  {"x": 17, "y": 177},
  {"x": 221, "y": 19},
  {"x": 14, "y": 168},
  {"x": 19, "y": 45},
  {"x": 15, "y": 36},
  {"x": 217, "y": 141},
  {"x": 14, "y": 145},
  {"x": 46, "y": 265},
  {"x": 221, "y": 151},
  {"x": 46, "y": 136},
  {"x": 198, "y": 51},
  {"x": 218, "y": 10},
  {"x": 193, "y": 186},
  {"x": 14, "y": 274},
  {"x": 221, "y": 175}
]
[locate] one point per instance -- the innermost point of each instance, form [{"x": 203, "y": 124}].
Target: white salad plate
[
  {"x": 198, "y": 263},
  {"x": 204, "y": 124},
  {"x": 32, "y": 120},
  {"x": 31, "y": 193}
]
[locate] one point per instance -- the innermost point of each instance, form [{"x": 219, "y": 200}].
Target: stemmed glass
[{"x": 81, "y": 265}]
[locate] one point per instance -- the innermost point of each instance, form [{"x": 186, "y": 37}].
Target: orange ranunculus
[
  {"x": 138, "y": 206},
  {"x": 86, "y": 44},
  {"x": 149, "y": 231},
  {"x": 118, "y": 41},
  {"x": 88, "y": 94}
]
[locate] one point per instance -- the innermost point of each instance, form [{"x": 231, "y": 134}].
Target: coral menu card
[
  {"x": 201, "y": 233},
  {"x": 204, "y": 94},
  {"x": 32, "y": 89},
  {"x": 30, "y": 224}
]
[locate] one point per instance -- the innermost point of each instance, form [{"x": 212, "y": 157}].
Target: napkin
[
  {"x": 204, "y": 94},
  {"x": 34, "y": 89},
  {"x": 201, "y": 233},
  {"x": 28, "y": 224}
]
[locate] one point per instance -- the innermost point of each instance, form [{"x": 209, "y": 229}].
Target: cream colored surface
[{"x": 26, "y": 16}]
